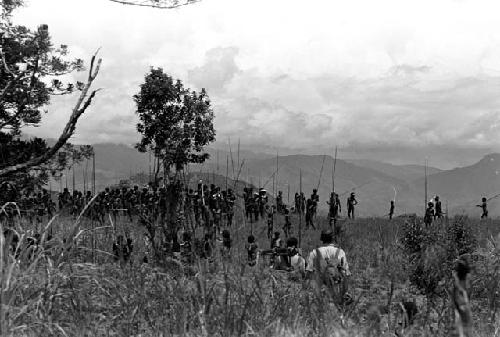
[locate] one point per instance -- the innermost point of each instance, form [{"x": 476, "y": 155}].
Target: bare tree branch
[
  {"x": 162, "y": 4},
  {"x": 81, "y": 105}
]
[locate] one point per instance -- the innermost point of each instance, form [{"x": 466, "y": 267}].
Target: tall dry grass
[{"x": 69, "y": 286}]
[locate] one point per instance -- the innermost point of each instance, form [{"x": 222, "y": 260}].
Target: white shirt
[
  {"x": 298, "y": 263},
  {"x": 329, "y": 253}
]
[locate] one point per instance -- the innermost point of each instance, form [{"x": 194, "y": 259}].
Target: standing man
[
  {"x": 287, "y": 226},
  {"x": 334, "y": 208},
  {"x": 351, "y": 202},
  {"x": 279, "y": 202},
  {"x": 297, "y": 203},
  {"x": 429, "y": 214},
  {"x": 391, "y": 210},
  {"x": 315, "y": 199},
  {"x": 438, "y": 208},
  {"x": 484, "y": 207},
  {"x": 310, "y": 213}
]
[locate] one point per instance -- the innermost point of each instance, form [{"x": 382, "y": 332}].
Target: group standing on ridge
[{"x": 210, "y": 208}]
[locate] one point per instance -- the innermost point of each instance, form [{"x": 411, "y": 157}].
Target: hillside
[
  {"x": 403, "y": 172},
  {"x": 465, "y": 186},
  {"x": 375, "y": 182},
  {"x": 374, "y": 188}
]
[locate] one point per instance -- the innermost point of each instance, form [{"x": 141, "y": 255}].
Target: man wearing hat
[{"x": 329, "y": 265}]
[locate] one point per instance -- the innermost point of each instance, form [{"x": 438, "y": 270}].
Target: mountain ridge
[{"x": 374, "y": 182}]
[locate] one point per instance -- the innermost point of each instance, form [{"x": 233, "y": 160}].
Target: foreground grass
[{"x": 60, "y": 291}]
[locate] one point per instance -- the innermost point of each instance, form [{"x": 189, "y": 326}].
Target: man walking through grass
[{"x": 329, "y": 266}]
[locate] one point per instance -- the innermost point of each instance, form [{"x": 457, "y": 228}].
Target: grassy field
[{"x": 74, "y": 288}]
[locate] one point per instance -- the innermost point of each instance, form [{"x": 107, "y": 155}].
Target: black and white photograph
[{"x": 264, "y": 168}]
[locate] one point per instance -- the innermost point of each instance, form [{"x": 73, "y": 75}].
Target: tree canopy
[
  {"x": 175, "y": 122},
  {"x": 30, "y": 70},
  {"x": 165, "y": 4}
]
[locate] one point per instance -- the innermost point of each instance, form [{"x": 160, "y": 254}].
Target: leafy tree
[
  {"x": 175, "y": 122},
  {"x": 30, "y": 68}
]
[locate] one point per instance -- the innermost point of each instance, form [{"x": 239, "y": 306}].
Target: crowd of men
[{"x": 208, "y": 206}]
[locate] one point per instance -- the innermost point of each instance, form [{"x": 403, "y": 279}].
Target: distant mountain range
[{"x": 374, "y": 182}]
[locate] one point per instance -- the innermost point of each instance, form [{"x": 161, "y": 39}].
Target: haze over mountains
[{"x": 374, "y": 182}]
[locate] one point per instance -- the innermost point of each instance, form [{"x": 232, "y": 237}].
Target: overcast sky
[{"x": 295, "y": 74}]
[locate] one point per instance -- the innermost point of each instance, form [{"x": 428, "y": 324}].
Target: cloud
[
  {"x": 288, "y": 74},
  {"x": 219, "y": 68},
  {"x": 395, "y": 109}
]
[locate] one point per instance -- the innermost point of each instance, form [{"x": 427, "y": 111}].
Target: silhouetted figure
[
  {"x": 351, "y": 202},
  {"x": 310, "y": 209},
  {"x": 287, "y": 226},
  {"x": 429, "y": 214},
  {"x": 334, "y": 208},
  {"x": 438, "y": 209},
  {"x": 270, "y": 221},
  {"x": 391, "y": 210},
  {"x": 484, "y": 207},
  {"x": 226, "y": 244},
  {"x": 315, "y": 199}
]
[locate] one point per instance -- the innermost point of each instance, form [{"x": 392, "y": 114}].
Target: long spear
[
  {"x": 84, "y": 182},
  {"x": 149, "y": 180},
  {"x": 85, "y": 179},
  {"x": 300, "y": 207},
  {"x": 231, "y": 153},
  {"x": 277, "y": 184},
  {"x": 227, "y": 168},
  {"x": 93, "y": 173},
  {"x": 321, "y": 172},
  {"x": 217, "y": 161},
  {"x": 238, "y": 153},
  {"x": 333, "y": 170},
  {"x": 425, "y": 181}
]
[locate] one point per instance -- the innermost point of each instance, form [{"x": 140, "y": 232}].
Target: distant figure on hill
[
  {"x": 315, "y": 199},
  {"x": 270, "y": 220},
  {"x": 287, "y": 226},
  {"x": 310, "y": 209},
  {"x": 297, "y": 202},
  {"x": 429, "y": 214},
  {"x": 438, "y": 209},
  {"x": 334, "y": 208},
  {"x": 279, "y": 202},
  {"x": 351, "y": 202},
  {"x": 484, "y": 207},
  {"x": 391, "y": 210}
]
